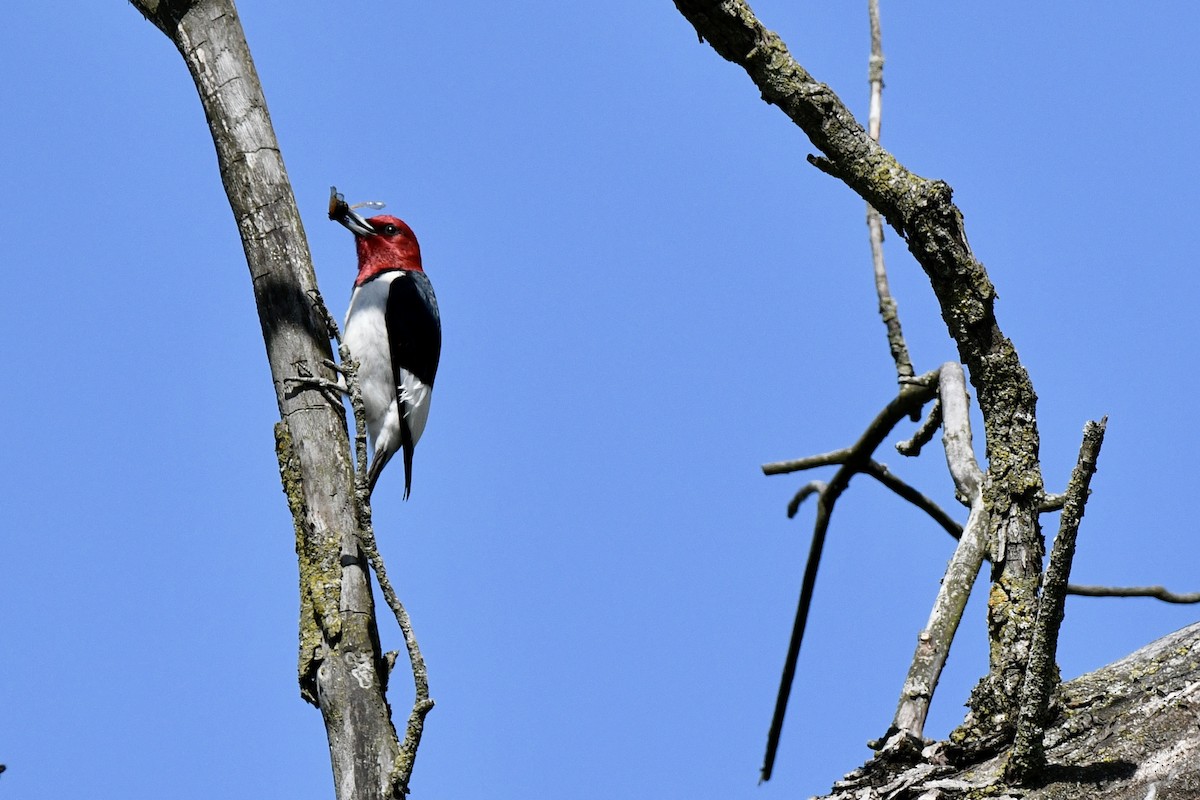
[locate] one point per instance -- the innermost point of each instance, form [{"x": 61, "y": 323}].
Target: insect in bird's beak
[{"x": 341, "y": 212}]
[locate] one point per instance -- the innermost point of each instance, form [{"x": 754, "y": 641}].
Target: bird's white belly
[{"x": 366, "y": 337}]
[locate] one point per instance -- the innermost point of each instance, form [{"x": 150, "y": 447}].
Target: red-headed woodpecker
[{"x": 394, "y": 332}]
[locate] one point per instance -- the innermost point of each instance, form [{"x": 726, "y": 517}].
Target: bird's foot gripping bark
[{"x": 335, "y": 390}]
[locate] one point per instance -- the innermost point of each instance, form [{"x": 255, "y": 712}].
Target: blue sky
[{"x": 646, "y": 293}]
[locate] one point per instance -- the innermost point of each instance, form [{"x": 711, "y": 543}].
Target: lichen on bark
[
  {"x": 338, "y": 637},
  {"x": 923, "y": 213},
  {"x": 320, "y": 576}
]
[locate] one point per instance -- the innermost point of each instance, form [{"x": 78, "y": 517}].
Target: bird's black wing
[
  {"x": 414, "y": 326},
  {"x": 415, "y": 332}
]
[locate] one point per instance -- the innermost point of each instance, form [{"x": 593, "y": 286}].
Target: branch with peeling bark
[{"x": 1124, "y": 731}]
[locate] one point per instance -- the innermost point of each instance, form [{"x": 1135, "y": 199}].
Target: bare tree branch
[
  {"x": 887, "y": 305},
  {"x": 1159, "y": 592},
  {"x": 873, "y": 468},
  {"x": 924, "y": 434},
  {"x": 1028, "y": 756},
  {"x": 933, "y": 643},
  {"x": 913, "y": 395},
  {"x": 922, "y": 212},
  {"x": 809, "y": 462},
  {"x": 881, "y": 473}
]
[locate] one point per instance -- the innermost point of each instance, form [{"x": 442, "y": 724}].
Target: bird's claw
[{"x": 334, "y": 390}]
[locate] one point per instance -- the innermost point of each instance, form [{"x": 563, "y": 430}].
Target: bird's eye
[{"x": 390, "y": 230}]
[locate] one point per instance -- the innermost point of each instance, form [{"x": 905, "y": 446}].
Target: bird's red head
[{"x": 391, "y": 244}]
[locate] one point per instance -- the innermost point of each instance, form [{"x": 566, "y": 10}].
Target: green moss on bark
[{"x": 320, "y": 586}]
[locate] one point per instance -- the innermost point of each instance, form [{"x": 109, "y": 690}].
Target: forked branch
[
  {"x": 912, "y": 396},
  {"x": 922, "y": 212}
]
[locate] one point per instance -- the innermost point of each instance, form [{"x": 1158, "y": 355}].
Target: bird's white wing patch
[{"x": 414, "y": 397}]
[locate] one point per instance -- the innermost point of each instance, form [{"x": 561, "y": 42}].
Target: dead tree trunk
[{"x": 341, "y": 667}]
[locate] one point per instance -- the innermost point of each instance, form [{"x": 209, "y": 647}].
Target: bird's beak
[{"x": 341, "y": 212}]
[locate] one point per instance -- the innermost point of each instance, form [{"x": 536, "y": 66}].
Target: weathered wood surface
[
  {"x": 341, "y": 667},
  {"x": 1128, "y": 731}
]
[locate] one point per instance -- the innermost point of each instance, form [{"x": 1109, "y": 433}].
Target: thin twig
[
  {"x": 798, "y": 464},
  {"x": 887, "y": 305},
  {"x": 875, "y": 71},
  {"x": 825, "y": 502},
  {"x": 1041, "y": 677},
  {"x": 1159, "y": 592},
  {"x": 924, "y": 434},
  {"x": 331, "y": 325},
  {"x": 1076, "y": 589},
  {"x": 806, "y": 491},
  {"x": 349, "y": 370},
  {"x": 422, "y": 704},
  {"x": 881, "y": 473},
  {"x": 910, "y": 399}
]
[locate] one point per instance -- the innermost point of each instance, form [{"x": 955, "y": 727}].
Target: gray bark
[
  {"x": 933, "y": 643},
  {"x": 341, "y": 667},
  {"x": 1124, "y": 732},
  {"x": 1041, "y": 678}
]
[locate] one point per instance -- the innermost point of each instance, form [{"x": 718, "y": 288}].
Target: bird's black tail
[
  {"x": 381, "y": 459},
  {"x": 408, "y": 455},
  {"x": 407, "y": 445}
]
